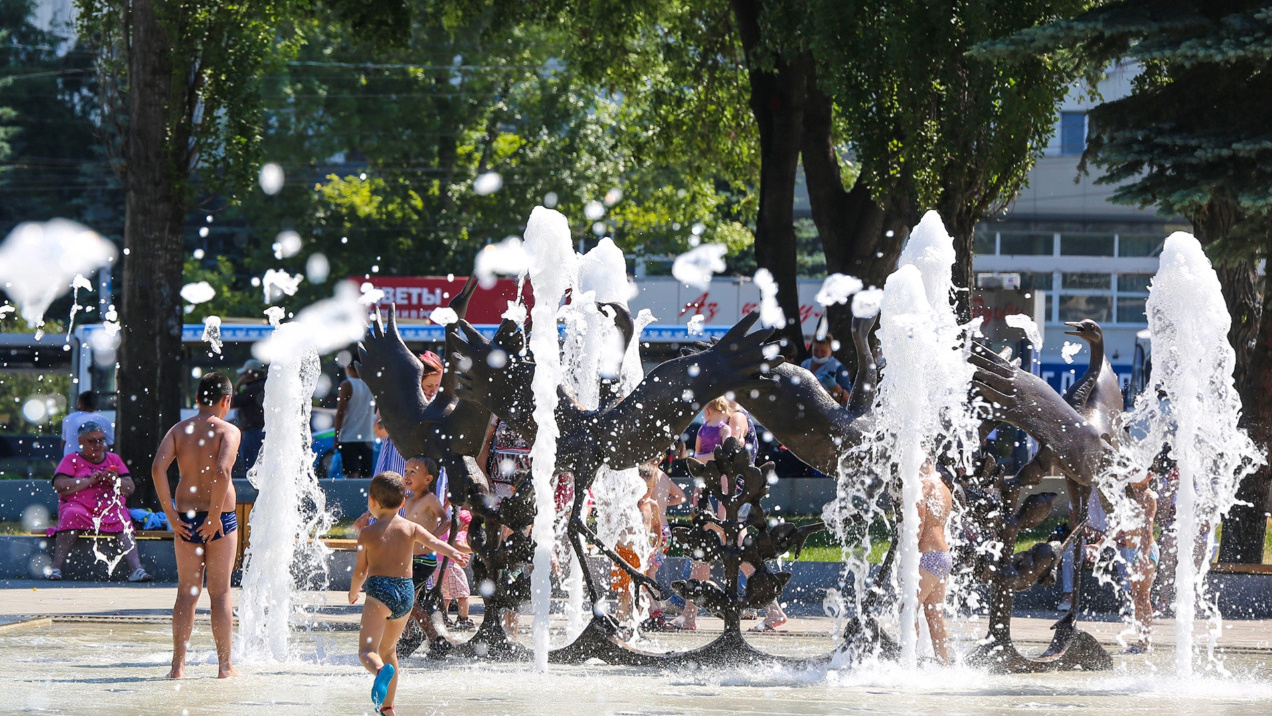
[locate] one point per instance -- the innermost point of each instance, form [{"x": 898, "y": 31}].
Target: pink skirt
[
  {"x": 454, "y": 583},
  {"x": 91, "y": 510}
]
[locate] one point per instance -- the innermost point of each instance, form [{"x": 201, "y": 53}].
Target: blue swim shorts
[{"x": 396, "y": 593}]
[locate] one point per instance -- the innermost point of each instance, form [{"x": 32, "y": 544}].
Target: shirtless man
[
  {"x": 935, "y": 563},
  {"x": 202, "y": 516}
]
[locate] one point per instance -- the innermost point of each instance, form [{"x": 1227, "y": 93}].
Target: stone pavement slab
[{"x": 78, "y": 601}]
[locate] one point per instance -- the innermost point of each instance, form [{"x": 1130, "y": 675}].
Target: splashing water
[
  {"x": 696, "y": 266},
  {"x": 196, "y": 293},
  {"x": 508, "y": 258},
  {"x": 290, "y": 511},
  {"x": 594, "y": 348},
  {"x": 325, "y": 326},
  {"x": 553, "y": 268},
  {"x": 838, "y": 288},
  {"x": 771, "y": 315},
  {"x": 1192, "y": 405},
  {"x": 275, "y": 284},
  {"x": 38, "y": 261},
  {"x": 212, "y": 333},
  {"x": 1026, "y": 324},
  {"x": 921, "y": 409}
]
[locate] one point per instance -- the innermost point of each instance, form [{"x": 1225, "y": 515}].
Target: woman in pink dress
[{"x": 91, "y": 486}]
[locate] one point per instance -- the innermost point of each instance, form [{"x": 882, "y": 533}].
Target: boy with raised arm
[
  {"x": 385, "y": 550},
  {"x": 202, "y": 516}
]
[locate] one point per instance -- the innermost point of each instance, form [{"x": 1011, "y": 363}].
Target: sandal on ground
[
  {"x": 54, "y": 575},
  {"x": 386, "y": 711},
  {"x": 763, "y": 628},
  {"x": 678, "y": 624},
  {"x": 140, "y": 575},
  {"x": 380, "y": 688}
]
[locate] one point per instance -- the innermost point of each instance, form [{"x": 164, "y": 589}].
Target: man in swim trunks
[
  {"x": 202, "y": 516},
  {"x": 385, "y": 550},
  {"x": 935, "y": 563}
]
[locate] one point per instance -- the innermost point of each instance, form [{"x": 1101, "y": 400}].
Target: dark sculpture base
[
  {"x": 1071, "y": 649},
  {"x": 600, "y": 641}
]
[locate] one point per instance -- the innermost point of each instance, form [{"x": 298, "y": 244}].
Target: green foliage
[
  {"x": 217, "y": 52},
  {"x": 932, "y": 125},
  {"x": 233, "y": 298},
  {"x": 381, "y": 144},
  {"x": 55, "y": 167},
  {"x": 1195, "y": 135}
]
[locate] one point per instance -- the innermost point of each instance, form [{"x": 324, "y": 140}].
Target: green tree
[
  {"x": 56, "y": 166},
  {"x": 412, "y": 126},
  {"x": 1194, "y": 138},
  {"x": 180, "y": 89}
]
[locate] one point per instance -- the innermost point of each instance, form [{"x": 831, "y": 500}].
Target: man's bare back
[
  {"x": 200, "y": 445},
  {"x": 202, "y": 516}
]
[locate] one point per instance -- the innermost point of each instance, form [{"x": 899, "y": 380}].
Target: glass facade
[
  {"x": 1026, "y": 244},
  {"x": 1102, "y": 292}
]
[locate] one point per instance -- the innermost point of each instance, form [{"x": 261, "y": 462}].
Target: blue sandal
[{"x": 380, "y": 688}]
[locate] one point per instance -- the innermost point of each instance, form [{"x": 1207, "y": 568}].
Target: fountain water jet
[{"x": 1192, "y": 405}]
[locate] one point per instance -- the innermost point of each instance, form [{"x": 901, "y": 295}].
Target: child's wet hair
[
  {"x": 213, "y": 387},
  {"x": 387, "y": 490},
  {"x": 720, "y": 405},
  {"x": 430, "y": 465}
]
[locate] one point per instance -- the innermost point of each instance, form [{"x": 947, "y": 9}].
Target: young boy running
[
  {"x": 202, "y": 516},
  {"x": 384, "y": 563}
]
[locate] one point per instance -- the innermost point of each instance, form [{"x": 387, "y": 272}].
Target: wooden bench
[{"x": 1229, "y": 568}]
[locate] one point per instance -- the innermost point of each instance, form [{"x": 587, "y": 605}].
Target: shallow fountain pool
[{"x": 93, "y": 668}]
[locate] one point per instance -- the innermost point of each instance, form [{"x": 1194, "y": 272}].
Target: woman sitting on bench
[{"x": 91, "y": 486}]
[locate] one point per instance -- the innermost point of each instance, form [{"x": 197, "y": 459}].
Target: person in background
[
  {"x": 935, "y": 562},
  {"x": 92, "y": 485},
  {"x": 665, "y": 493},
  {"x": 714, "y": 431},
  {"x": 390, "y": 458},
  {"x": 249, "y": 402},
  {"x": 85, "y": 411},
  {"x": 824, "y": 366},
  {"x": 202, "y": 516},
  {"x": 1139, "y": 551},
  {"x": 455, "y": 582},
  {"x": 355, "y": 424}
]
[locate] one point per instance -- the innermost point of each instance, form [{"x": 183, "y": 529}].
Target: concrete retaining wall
[
  {"x": 1241, "y": 596},
  {"x": 797, "y": 496}
]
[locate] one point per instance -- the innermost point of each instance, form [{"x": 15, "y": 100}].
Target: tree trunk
[
  {"x": 1251, "y": 339},
  {"x": 777, "y": 101},
  {"x": 150, "y": 371},
  {"x": 962, "y": 227},
  {"x": 852, "y": 226},
  {"x": 1244, "y": 527}
]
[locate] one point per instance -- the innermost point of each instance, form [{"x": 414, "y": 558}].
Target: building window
[
  {"x": 1079, "y": 245},
  {"x": 1130, "y": 309},
  {"x": 1139, "y": 246},
  {"x": 985, "y": 242},
  {"x": 1072, "y": 132},
  {"x": 1026, "y": 244},
  {"x": 1073, "y": 307},
  {"x": 1087, "y": 281}
]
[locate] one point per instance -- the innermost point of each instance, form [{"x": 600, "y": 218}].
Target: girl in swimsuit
[{"x": 935, "y": 563}]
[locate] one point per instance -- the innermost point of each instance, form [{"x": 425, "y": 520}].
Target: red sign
[{"x": 418, "y": 296}]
